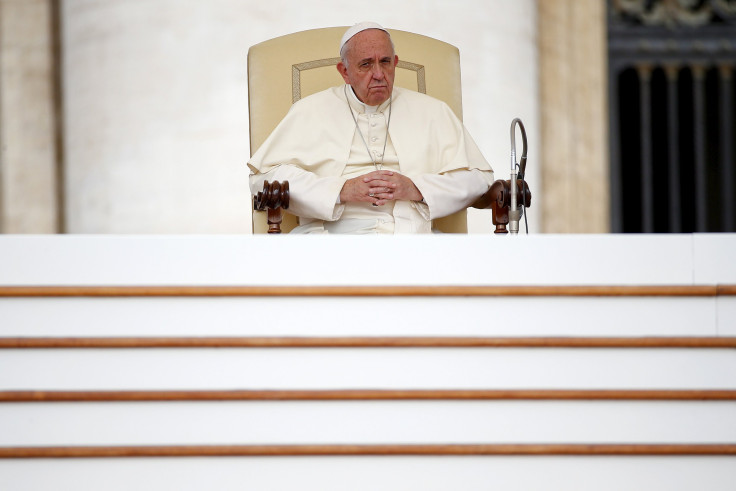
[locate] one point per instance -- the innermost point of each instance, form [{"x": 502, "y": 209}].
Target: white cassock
[{"x": 317, "y": 147}]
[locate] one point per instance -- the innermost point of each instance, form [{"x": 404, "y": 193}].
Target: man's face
[{"x": 371, "y": 65}]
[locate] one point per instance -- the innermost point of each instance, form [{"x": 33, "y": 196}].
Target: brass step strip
[
  {"x": 372, "y": 291},
  {"x": 366, "y": 450},
  {"x": 365, "y": 342},
  {"x": 364, "y": 395}
]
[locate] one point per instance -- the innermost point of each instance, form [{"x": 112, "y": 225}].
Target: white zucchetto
[{"x": 360, "y": 27}]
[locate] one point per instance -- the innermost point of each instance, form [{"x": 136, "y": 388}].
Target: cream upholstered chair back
[{"x": 285, "y": 69}]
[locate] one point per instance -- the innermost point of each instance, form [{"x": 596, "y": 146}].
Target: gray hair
[{"x": 349, "y": 44}]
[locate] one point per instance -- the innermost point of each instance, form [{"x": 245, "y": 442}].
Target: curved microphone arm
[
  {"x": 522, "y": 161},
  {"x": 515, "y": 209}
]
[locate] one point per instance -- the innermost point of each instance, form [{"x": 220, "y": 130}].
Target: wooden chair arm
[
  {"x": 498, "y": 199},
  {"x": 273, "y": 198}
]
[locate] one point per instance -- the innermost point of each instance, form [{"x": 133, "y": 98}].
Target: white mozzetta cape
[
  {"x": 318, "y": 131},
  {"x": 430, "y": 142}
]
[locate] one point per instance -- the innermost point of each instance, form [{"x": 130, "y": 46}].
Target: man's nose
[{"x": 378, "y": 72}]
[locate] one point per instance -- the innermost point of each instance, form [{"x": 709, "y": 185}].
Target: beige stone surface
[
  {"x": 28, "y": 202},
  {"x": 575, "y": 180}
]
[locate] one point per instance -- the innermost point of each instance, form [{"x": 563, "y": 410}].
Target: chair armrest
[
  {"x": 273, "y": 198},
  {"x": 498, "y": 199}
]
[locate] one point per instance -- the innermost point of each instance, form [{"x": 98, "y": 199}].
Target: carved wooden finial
[
  {"x": 498, "y": 199},
  {"x": 274, "y": 195},
  {"x": 273, "y": 198}
]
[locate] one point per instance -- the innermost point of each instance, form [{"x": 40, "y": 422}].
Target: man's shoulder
[
  {"x": 414, "y": 95},
  {"x": 325, "y": 96},
  {"x": 415, "y": 100}
]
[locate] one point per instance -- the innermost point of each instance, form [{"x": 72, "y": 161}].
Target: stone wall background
[{"x": 28, "y": 131}]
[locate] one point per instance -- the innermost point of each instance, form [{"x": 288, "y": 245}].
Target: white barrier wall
[
  {"x": 705, "y": 419},
  {"x": 672, "y": 259}
]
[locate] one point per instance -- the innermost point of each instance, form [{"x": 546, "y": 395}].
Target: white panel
[
  {"x": 376, "y": 422},
  {"x": 727, "y": 316},
  {"x": 373, "y": 473},
  {"x": 323, "y": 260},
  {"x": 391, "y": 316},
  {"x": 713, "y": 258},
  {"x": 289, "y": 368}
]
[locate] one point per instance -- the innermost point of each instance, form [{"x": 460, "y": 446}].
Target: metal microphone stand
[{"x": 515, "y": 209}]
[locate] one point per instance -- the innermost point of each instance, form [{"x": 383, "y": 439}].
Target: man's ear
[
  {"x": 343, "y": 71},
  {"x": 396, "y": 60}
]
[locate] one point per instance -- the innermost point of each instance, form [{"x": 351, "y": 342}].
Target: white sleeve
[
  {"x": 444, "y": 194},
  {"x": 309, "y": 196}
]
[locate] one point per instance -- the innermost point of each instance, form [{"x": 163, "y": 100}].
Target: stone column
[
  {"x": 575, "y": 169},
  {"x": 28, "y": 151}
]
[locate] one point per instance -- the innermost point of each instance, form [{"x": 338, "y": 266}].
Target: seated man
[{"x": 368, "y": 157}]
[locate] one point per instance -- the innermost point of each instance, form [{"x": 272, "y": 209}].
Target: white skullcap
[{"x": 360, "y": 27}]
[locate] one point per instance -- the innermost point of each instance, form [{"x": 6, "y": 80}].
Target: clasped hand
[{"x": 379, "y": 187}]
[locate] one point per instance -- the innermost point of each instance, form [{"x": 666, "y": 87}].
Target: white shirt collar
[{"x": 365, "y": 107}]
